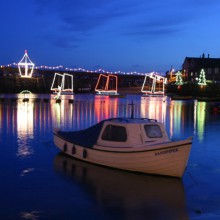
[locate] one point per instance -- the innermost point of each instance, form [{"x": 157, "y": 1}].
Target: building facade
[{"x": 192, "y": 67}]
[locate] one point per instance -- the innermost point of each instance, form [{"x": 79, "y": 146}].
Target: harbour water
[{"x": 38, "y": 182}]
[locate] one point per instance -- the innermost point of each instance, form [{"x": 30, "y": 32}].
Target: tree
[
  {"x": 179, "y": 80},
  {"x": 202, "y": 78}
]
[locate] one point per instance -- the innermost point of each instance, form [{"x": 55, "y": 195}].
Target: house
[{"x": 192, "y": 67}]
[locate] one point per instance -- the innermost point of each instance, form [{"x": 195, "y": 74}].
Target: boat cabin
[
  {"x": 119, "y": 133},
  {"x": 128, "y": 132}
]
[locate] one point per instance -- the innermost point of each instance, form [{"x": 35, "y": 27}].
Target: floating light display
[
  {"x": 154, "y": 84},
  {"x": 62, "y": 83},
  {"x": 107, "y": 85},
  {"x": 26, "y": 66}
]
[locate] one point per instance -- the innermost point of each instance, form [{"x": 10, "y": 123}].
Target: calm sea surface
[{"x": 37, "y": 182}]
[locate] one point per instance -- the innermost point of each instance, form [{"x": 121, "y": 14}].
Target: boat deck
[{"x": 86, "y": 138}]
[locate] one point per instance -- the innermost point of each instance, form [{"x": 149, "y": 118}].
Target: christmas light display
[
  {"x": 179, "y": 80},
  {"x": 107, "y": 85},
  {"x": 154, "y": 84},
  {"x": 202, "y": 78},
  {"x": 26, "y": 65},
  {"x": 62, "y": 83}
]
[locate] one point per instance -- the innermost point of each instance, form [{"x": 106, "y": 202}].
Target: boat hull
[{"x": 169, "y": 159}]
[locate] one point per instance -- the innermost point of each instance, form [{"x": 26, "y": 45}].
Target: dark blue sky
[{"x": 126, "y": 35}]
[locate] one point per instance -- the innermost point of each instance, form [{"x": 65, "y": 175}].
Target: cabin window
[
  {"x": 153, "y": 131},
  {"x": 114, "y": 133}
]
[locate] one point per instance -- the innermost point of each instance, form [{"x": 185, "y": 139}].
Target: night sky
[{"x": 125, "y": 35}]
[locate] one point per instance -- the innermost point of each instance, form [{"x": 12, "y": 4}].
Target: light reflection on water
[
  {"x": 88, "y": 110},
  {"x": 26, "y": 141},
  {"x": 25, "y": 118},
  {"x": 200, "y": 109}
]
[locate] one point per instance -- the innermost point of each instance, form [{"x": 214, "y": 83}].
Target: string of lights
[{"x": 62, "y": 69}]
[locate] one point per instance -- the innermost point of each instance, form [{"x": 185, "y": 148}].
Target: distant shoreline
[{"x": 82, "y": 84}]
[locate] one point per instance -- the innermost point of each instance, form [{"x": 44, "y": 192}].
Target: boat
[
  {"x": 132, "y": 144},
  {"x": 107, "y": 85}
]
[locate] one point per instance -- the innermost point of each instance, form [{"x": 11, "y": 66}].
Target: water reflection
[
  {"x": 153, "y": 107},
  {"x": 22, "y": 118},
  {"x": 104, "y": 108},
  {"x": 199, "y": 118},
  {"x": 33, "y": 215},
  {"x": 180, "y": 113},
  {"x": 25, "y": 117},
  {"x": 26, "y": 171},
  {"x": 96, "y": 108},
  {"x": 26, "y": 141},
  {"x": 124, "y": 195}
]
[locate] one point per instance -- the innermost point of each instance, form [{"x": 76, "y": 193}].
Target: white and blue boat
[{"x": 132, "y": 144}]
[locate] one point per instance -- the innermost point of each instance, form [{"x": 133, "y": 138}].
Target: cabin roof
[
  {"x": 131, "y": 120},
  {"x": 86, "y": 138}
]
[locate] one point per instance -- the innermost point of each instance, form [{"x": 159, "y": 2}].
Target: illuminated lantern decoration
[
  {"x": 202, "y": 78},
  {"x": 25, "y": 66}
]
